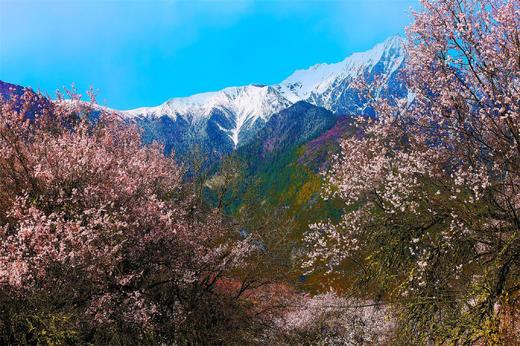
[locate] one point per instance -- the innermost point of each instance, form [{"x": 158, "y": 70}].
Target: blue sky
[{"x": 140, "y": 53}]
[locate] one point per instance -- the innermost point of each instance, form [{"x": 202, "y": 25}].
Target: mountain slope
[
  {"x": 282, "y": 164},
  {"x": 287, "y": 129},
  {"x": 37, "y": 102}
]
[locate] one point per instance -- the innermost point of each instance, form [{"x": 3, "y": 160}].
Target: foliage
[
  {"x": 328, "y": 319},
  {"x": 99, "y": 238}
]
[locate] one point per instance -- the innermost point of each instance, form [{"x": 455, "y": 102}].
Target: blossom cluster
[
  {"x": 89, "y": 213},
  {"x": 435, "y": 180}
]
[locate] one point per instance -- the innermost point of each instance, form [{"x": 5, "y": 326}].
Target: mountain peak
[{"x": 396, "y": 41}]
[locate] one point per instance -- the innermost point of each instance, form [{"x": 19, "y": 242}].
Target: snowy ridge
[
  {"x": 321, "y": 77},
  {"x": 244, "y": 105},
  {"x": 177, "y": 106}
]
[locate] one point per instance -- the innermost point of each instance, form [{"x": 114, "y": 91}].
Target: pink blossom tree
[
  {"x": 433, "y": 185},
  {"x": 98, "y": 240}
]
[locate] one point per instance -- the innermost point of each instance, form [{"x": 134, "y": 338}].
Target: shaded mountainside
[
  {"x": 8, "y": 89},
  {"x": 183, "y": 138},
  {"x": 300, "y": 139},
  {"x": 37, "y": 101},
  {"x": 285, "y": 131}
]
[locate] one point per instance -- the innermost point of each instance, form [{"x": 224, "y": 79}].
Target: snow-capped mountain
[
  {"x": 241, "y": 107},
  {"x": 224, "y": 120}
]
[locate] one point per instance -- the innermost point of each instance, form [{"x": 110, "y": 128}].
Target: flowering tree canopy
[
  {"x": 433, "y": 184},
  {"x": 92, "y": 220}
]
